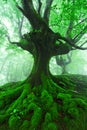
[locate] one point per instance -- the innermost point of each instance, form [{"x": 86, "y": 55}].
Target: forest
[{"x": 43, "y": 65}]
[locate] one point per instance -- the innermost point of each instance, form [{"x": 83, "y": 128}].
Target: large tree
[{"x": 39, "y": 103}]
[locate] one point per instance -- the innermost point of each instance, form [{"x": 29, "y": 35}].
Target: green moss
[
  {"x": 46, "y": 100},
  {"x": 46, "y": 121},
  {"x": 2, "y": 104},
  {"x": 25, "y": 125},
  {"x": 54, "y": 111},
  {"x": 4, "y": 127},
  {"x": 3, "y": 118},
  {"x": 14, "y": 122},
  {"x": 36, "y": 118},
  {"x": 65, "y": 99},
  {"x": 74, "y": 112},
  {"x": 81, "y": 103},
  {"x": 48, "y": 118},
  {"x": 52, "y": 126},
  {"x": 43, "y": 108}
]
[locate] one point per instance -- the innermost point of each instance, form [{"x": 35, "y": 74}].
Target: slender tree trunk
[{"x": 64, "y": 69}]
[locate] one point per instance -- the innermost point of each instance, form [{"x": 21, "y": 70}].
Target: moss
[
  {"x": 65, "y": 99},
  {"x": 46, "y": 100},
  {"x": 74, "y": 112},
  {"x": 81, "y": 103},
  {"x": 14, "y": 122},
  {"x": 3, "y": 118},
  {"x": 36, "y": 118},
  {"x": 2, "y": 104},
  {"x": 25, "y": 125},
  {"x": 47, "y": 108},
  {"x": 48, "y": 118},
  {"x": 46, "y": 121},
  {"x": 52, "y": 126},
  {"x": 4, "y": 127},
  {"x": 54, "y": 111}
]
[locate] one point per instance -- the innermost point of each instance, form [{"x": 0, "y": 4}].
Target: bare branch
[
  {"x": 81, "y": 22},
  {"x": 34, "y": 18},
  {"x": 73, "y": 45},
  {"x": 70, "y": 27},
  {"x": 8, "y": 37},
  {"x": 83, "y": 43},
  {"x": 69, "y": 58},
  {"x": 69, "y": 42},
  {"x": 47, "y": 10},
  {"x": 29, "y": 12},
  {"x": 61, "y": 61},
  {"x": 61, "y": 49},
  {"x": 79, "y": 36},
  {"x": 20, "y": 24},
  {"x": 39, "y": 7}
]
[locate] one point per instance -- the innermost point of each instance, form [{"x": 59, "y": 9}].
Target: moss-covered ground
[{"x": 56, "y": 104}]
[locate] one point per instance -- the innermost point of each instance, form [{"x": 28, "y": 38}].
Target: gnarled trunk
[{"x": 41, "y": 66}]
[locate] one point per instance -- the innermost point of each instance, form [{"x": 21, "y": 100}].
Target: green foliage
[{"x": 65, "y": 11}]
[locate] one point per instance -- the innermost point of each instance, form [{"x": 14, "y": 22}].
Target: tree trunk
[
  {"x": 64, "y": 69},
  {"x": 43, "y": 45},
  {"x": 41, "y": 66}
]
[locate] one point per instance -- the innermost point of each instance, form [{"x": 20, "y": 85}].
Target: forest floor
[
  {"x": 45, "y": 108},
  {"x": 76, "y": 83}
]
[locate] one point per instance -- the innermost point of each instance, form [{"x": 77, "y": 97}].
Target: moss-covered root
[
  {"x": 11, "y": 99},
  {"x": 45, "y": 107},
  {"x": 44, "y": 113}
]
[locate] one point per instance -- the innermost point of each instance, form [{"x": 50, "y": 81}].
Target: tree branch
[
  {"x": 59, "y": 60},
  {"x": 81, "y": 22},
  {"x": 70, "y": 27},
  {"x": 25, "y": 43},
  {"x": 69, "y": 59},
  {"x": 47, "y": 10},
  {"x": 69, "y": 42},
  {"x": 20, "y": 24},
  {"x": 83, "y": 43},
  {"x": 61, "y": 49},
  {"x": 79, "y": 36},
  {"x": 39, "y": 6},
  {"x": 34, "y": 18}
]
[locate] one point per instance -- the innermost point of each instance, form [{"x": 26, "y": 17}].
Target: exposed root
[{"x": 43, "y": 107}]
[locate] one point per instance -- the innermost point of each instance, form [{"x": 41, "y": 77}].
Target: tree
[
  {"x": 38, "y": 102},
  {"x": 63, "y": 62},
  {"x": 74, "y": 22}
]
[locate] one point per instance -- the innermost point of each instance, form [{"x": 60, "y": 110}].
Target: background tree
[
  {"x": 39, "y": 102},
  {"x": 63, "y": 62}
]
